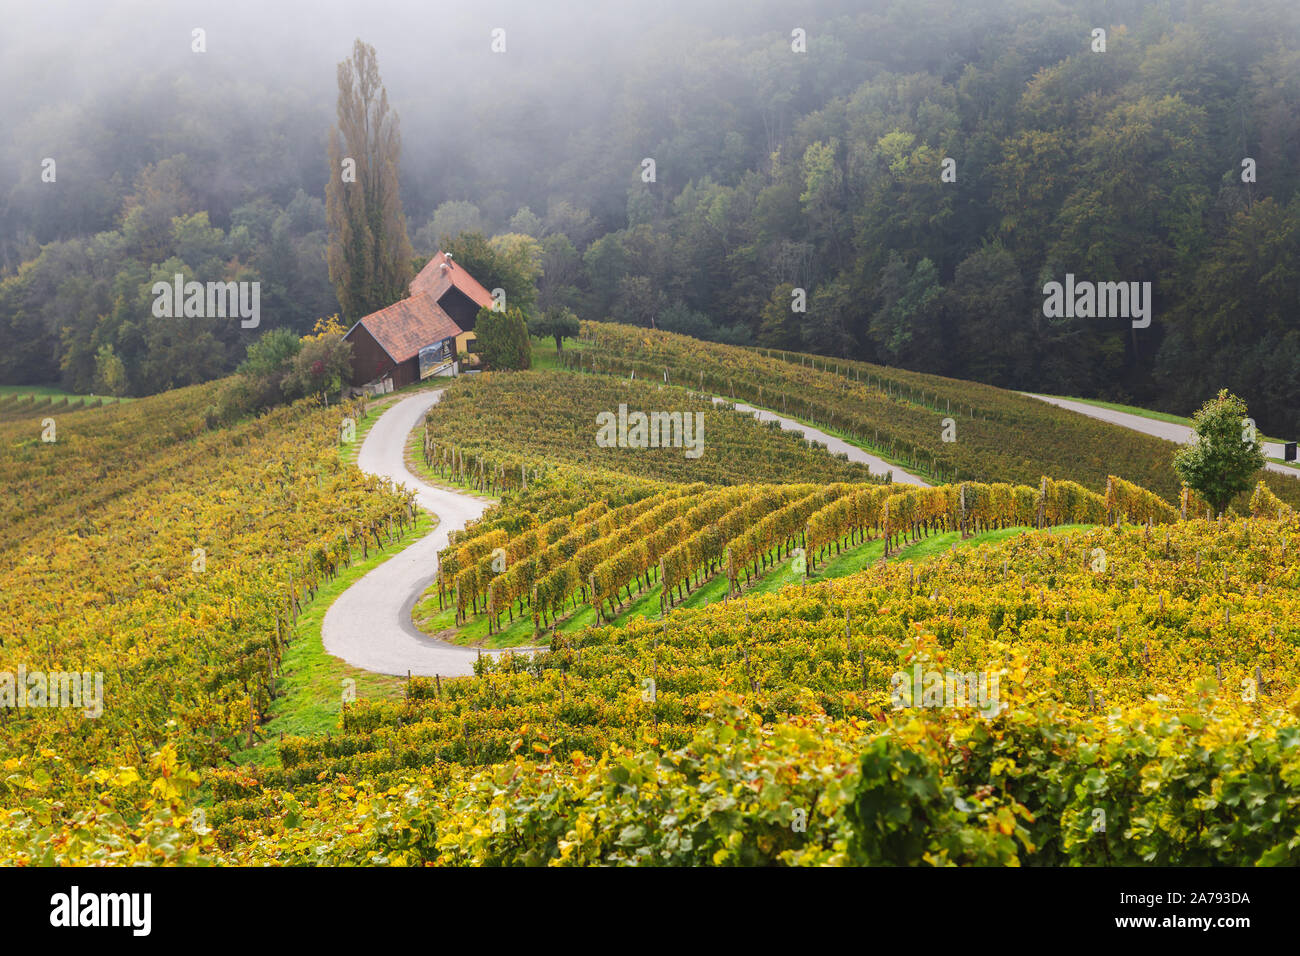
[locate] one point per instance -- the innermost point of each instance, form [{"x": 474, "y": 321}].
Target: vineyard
[
  {"x": 998, "y": 435},
  {"x": 589, "y": 548},
  {"x": 14, "y": 407},
  {"x": 675, "y": 540},
  {"x": 172, "y": 559},
  {"x": 493, "y": 431},
  {"x": 1154, "y": 687},
  {"x": 1115, "y": 654}
]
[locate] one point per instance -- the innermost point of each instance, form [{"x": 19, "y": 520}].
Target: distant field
[{"x": 18, "y": 402}]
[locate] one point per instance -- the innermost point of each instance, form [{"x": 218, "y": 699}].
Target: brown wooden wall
[
  {"x": 369, "y": 360},
  {"x": 406, "y": 372}
]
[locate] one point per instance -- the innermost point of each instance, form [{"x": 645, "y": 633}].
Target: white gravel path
[
  {"x": 1170, "y": 431},
  {"x": 369, "y": 625},
  {"x": 834, "y": 445}
]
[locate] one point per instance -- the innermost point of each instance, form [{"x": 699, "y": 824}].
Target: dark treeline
[{"x": 775, "y": 171}]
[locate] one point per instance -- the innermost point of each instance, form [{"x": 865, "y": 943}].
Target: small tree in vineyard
[{"x": 1226, "y": 455}]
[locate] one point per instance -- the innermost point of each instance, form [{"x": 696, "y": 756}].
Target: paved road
[
  {"x": 834, "y": 445},
  {"x": 1169, "y": 431},
  {"x": 369, "y": 625}
]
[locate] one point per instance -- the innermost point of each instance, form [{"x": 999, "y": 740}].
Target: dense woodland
[{"x": 774, "y": 170}]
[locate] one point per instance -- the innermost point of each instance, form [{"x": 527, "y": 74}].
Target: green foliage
[
  {"x": 495, "y": 265},
  {"x": 906, "y": 297},
  {"x": 320, "y": 366},
  {"x": 1225, "y": 458},
  {"x": 110, "y": 373},
  {"x": 271, "y": 354},
  {"x": 369, "y": 252},
  {"x": 134, "y": 821},
  {"x": 1123, "y": 166},
  {"x": 780, "y": 323},
  {"x": 556, "y": 322},
  {"x": 502, "y": 339}
]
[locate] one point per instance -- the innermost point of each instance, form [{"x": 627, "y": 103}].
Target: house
[{"x": 420, "y": 335}]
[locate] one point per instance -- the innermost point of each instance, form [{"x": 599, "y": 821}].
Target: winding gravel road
[
  {"x": 369, "y": 625},
  {"x": 834, "y": 445},
  {"x": 1170, "y": 431}
]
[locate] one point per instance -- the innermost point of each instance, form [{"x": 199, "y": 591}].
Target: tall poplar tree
[{"x": 369, "y": 252}]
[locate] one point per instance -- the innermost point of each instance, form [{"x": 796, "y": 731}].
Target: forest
[{"x": 913, "y": 173}]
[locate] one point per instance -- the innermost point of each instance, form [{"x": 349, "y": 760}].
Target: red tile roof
[
  {"x": 434, "y": 280},
  {"x": 408, "y": 325}
]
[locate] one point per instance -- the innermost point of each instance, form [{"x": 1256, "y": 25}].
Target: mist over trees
[{"x": 776, "y": 172}]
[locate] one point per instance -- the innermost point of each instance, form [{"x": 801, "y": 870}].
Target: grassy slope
[{"x": 311, "y": 683}]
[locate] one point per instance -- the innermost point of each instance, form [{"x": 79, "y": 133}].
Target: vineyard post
[{"x": 664, "y": 596}]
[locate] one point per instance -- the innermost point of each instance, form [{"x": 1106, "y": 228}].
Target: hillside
[
  {"x": 165, "y": 561},
  {"x": 550, "y": 418},
  {"x": 997, "y": 435},
  {"x": 738, "y": 615},
  {"x": 1180, "y": 630},
  {"x": 795, "y": 690}
]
